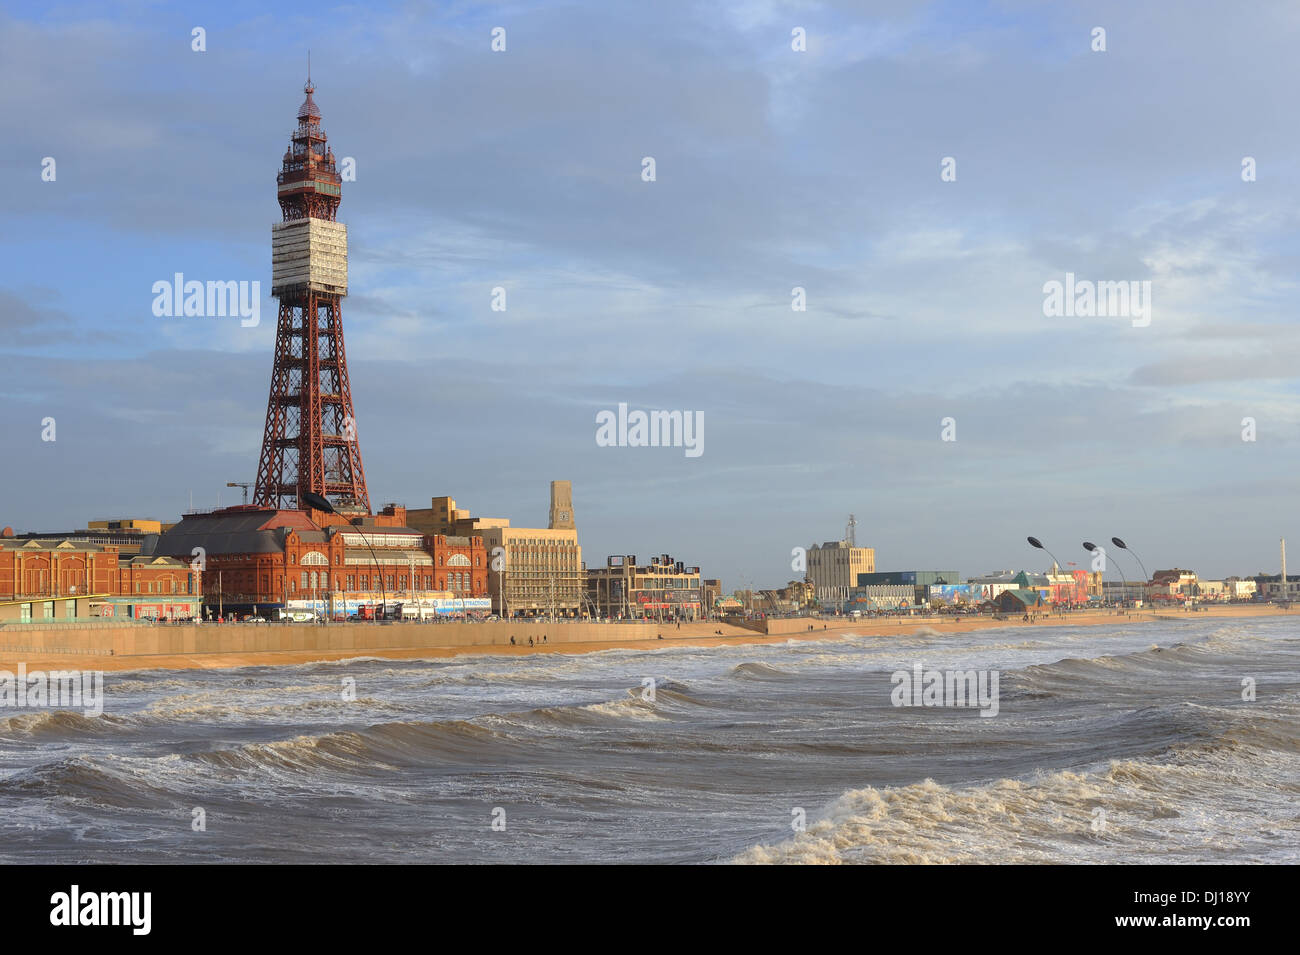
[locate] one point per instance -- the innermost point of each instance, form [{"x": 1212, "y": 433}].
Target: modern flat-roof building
[
  {"x": 833, "y": 569},
  {"x": 918, "y": 578},
  {"x": 128, "y": 535},
  {"x": 534, "y": 571},
  {"x": 664, "y": 589}
]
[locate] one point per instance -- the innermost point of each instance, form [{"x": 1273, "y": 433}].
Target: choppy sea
[{"x": 1124, "y": 743}]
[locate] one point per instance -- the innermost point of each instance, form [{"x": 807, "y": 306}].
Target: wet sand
[{"x": 695, "y": 635}]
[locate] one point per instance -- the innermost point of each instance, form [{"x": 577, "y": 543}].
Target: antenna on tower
[
  {"x": 849, "y": 533},
  {"x": 309, "y": 67}
]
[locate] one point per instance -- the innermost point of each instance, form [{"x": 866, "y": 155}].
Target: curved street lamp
[
  {"x": 1035, "y": 542},
  {"x": 1122, "y": 546},
  {"x": 1091, "y": 548}
]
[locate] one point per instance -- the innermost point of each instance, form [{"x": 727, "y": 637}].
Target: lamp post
[
  {"x": 1091, "y": 548},
  {"x": 1122, "y": 546},
  {"x": 1035, "y": 542}
]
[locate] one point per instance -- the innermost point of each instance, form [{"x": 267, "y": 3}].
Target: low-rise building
[
  {"x": 881, "y": 597},
  {"x": 664, "y": 589},
  {"x": 67, "y": 580},
  {"x": 1237, "y": 588},
  {"x": 532, "y": 571},
  {"x": 261, "y": 560},
  {"x": 1171, "y": 586},
  {"x": 1020, "y": 600}
]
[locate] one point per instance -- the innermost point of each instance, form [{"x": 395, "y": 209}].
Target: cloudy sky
[{"x": 775, "y": 169}]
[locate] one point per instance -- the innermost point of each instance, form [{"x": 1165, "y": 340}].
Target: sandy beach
[{"x": 694, "y": 634}]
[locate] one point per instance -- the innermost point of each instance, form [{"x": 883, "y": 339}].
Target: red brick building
[
  {"x": 60, "y": 580},
  {"x": 262, "y": 560},
  {"x": 460, "y": 564}
]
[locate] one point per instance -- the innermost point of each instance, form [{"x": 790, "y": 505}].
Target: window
[
  {"x": 302, "y": 583},
  {"x": 351, "y": 582}
]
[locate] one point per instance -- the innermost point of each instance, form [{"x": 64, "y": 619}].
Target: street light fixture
[
  {"x": 1091, "y": 548},
  {"x": 1122, "y": 546},
  {"x": 1035, "y": 542}
]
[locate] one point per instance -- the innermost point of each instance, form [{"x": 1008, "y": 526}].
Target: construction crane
[{"x": 241, "y": 484}]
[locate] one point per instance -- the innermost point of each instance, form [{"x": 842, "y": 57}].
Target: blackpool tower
[{"x": 310, "y": 443}]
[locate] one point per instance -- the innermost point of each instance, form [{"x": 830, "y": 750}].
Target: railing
[
  {"x": 36, "y": 651},
  {"x": 76, "y": 624}
]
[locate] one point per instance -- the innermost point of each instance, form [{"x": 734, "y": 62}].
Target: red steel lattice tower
[{"x": 310, "y": 442}]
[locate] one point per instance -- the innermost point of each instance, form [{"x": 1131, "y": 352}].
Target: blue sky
[{"x": 775, "y": 169}]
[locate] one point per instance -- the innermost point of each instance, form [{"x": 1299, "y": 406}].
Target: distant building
[
  {"x": 128, "y": 535},
  {"x": 1020, "y": 601},
  {"x": 133, "y": 525},
  {"x": 712, "y": 589},
  {"x": 1174, "y": 585},
  {"x": 445, "y": 518},
  {"x": 991, "y": 586},
  {"x": 1124, "y": 592},
  {"x": 878, "y": 597},
  {"x": 833, "y": 569},
  {"x": 664, "y": 589},
  {"x": 1271, "y": 588},
  {"x": 537, "y": 570},
  {"x": 919, "y": 578},
  {"x": 1236, "y": 588},
  {"x": 1067, "y": 588}
]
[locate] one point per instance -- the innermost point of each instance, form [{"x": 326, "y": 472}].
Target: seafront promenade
[{"x": 235, "y": 645}]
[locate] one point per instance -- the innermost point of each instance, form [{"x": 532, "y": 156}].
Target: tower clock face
[{"x": 564, "y": 515}]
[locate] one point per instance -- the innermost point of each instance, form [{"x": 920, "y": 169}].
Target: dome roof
[{"x": 308, "y": 109}]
